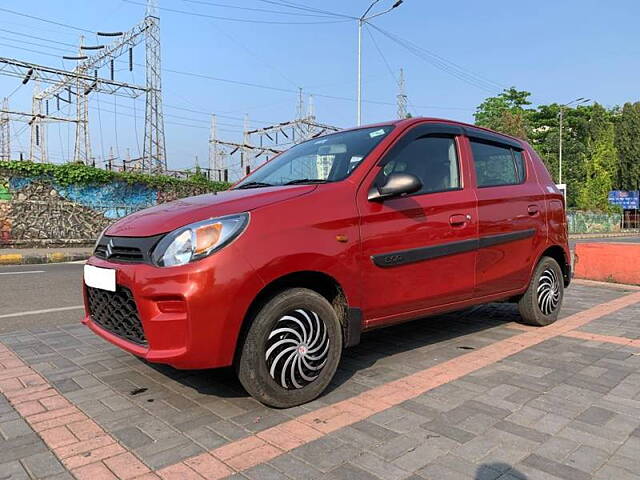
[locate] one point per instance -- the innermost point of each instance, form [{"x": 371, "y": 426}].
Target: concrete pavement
[{"x": 468, "y": 395}]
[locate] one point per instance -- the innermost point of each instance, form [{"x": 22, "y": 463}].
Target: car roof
[{"x": 405, "y": 122}]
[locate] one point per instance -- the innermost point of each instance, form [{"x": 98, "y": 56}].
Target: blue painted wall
[{"x": 114, "y": 200}]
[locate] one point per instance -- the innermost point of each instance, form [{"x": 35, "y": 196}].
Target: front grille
[
  {"x": 126, "y": 249},
  {"x": 126, "y": 254},
  {"x": 116, "y": 312}
]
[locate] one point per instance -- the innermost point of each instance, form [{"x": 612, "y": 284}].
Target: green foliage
[
  {"x": 589, "y": 161},
  {"x": 80, "y": 174},
  {"x": 628, "y": 145},
  {"x": 600, "y": 163},
  {"x": 505, "y": 113}
]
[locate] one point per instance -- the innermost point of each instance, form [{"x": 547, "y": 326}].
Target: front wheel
[
  {"x": 291, "y": 350},
  {"x": 540, "y": 305}
]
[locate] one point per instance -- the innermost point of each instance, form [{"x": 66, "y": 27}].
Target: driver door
[{"x": 419, "y": 250}]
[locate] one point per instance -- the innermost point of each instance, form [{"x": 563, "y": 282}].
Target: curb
[
  {"x": 602, "y": 235},
  {"x": 53, "y": 257}
]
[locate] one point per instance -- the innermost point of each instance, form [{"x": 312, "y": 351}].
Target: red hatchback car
[{"x": 340, "y": 234}]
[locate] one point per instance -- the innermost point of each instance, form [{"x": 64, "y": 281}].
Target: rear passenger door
[{"x": 511, "y": 213}]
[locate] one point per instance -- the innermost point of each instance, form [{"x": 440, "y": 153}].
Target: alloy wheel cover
[
  {"x": 548, "y": 293},
  {"x": 297, "y": 349}
]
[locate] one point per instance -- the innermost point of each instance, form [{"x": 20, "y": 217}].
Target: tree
[
  {"x": 628, "y": 145},
  {"x": 545, "y": 138},
  {"x": 600, "y": 163},
  {"x": 505, "y": 113}
]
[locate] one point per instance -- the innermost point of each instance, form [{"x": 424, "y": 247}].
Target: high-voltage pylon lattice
[
  {"x": 231, "y": 160},
  {"x": 154, "y": 151},
  {"x": 5, "y": 131},
  {"x": 402, "y": 96},
  {"x": 74, "y": 87}
]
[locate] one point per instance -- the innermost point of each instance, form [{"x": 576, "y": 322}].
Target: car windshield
[{"x": 324, "y": 159}]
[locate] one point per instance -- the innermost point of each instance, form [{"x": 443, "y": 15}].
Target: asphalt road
[
  {"x": 34, "y": 296},
  {"x": 632, "y": 239}
]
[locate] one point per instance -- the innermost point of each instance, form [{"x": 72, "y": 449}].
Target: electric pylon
[
  {"x": 5, "y": 131},
  {"x": 38, "y": 150},
  {"x": 402, "y": 96},
  {"x": 82, "y": 147},
  {"x": 155, "y": 159}
]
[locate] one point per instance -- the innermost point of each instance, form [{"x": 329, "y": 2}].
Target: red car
[{"x": 338, "y": 235}]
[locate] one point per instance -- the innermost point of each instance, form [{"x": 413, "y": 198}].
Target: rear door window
[{"x": 497, "y": 165}]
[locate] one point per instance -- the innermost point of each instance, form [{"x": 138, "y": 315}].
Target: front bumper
[{"x": 191, "y": 315}]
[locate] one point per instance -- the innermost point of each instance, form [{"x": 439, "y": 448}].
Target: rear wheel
[
  {"x": 291, "y": 350},
  {"x": 540, "y": 305}
]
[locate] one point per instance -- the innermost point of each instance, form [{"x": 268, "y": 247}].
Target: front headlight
[{"x": 198, "y": 240}]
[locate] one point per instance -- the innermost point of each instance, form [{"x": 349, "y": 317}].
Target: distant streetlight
[
  {"x": 361, "y": 21},
  {"x": 576, "y": 102}
]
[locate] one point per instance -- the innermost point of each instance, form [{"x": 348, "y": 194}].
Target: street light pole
[
  {"x": 576, "y": 102},
  {"x": 361, "y": 21},
  {"x": 359, "y": 113},
  {"x": 560, "y": 146}
]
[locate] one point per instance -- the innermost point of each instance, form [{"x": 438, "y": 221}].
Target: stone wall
[{"x": 38, "y": 212}]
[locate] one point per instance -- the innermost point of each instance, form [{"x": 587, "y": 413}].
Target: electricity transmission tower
[
  {"x": 232, "y": 160},
  {"x": 67, "y": 86},
  {"x": 5, "y": 131},
  {"x": 154, "y": 144},
  {"x": 402, "y": 96}
]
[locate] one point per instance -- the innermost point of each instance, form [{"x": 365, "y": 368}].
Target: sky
[{"x": 256, "y": 55}]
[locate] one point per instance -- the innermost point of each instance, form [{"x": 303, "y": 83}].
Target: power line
[
  {"x": 37, "y": 44},
  {"x": 250, "y": 9},
  {"x": 239, "y": 20},
  {"x": 39, "y": 38},
  {"x": 306, "y": 8},
  {"x": 442, "y": 63},
  {"x": 262, "y": 86},
  {"x": 60, "y": 24}
]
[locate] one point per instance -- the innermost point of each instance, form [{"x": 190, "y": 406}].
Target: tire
[
  {"x": 540, "y": 305},
  {"x": 291, "y": 350}
]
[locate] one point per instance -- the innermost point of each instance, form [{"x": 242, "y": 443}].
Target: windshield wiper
[
  {"x": 253, "y": 185},
  {"x": 305, "y": 180}
]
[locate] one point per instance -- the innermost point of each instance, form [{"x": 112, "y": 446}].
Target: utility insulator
[
  {"x": 131, "y": 59},
  {"x": 112, "y": 69}
]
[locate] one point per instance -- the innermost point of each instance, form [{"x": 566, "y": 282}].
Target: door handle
[
  {"x": 532, "y": 209},
  {"x": 458, "y": 219}
]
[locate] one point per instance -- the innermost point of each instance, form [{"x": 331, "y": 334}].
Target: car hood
[{"x": 169, "y": 216}]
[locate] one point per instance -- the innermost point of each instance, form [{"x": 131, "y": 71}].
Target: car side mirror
[{"x": 396, "y": 184}]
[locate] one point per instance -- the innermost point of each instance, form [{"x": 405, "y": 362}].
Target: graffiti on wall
[{"x": 40, "y": 212}]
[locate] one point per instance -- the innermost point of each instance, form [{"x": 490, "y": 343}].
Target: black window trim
[
  {"x": 500, "y": 142},
  {"x": 423, "y": 130}
]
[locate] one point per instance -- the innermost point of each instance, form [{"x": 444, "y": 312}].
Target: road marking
[
  {"x": 22, "y": 273},
  {"x": 37, "y": 312}
]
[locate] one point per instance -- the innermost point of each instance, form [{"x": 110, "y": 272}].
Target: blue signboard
[{"x": 627, "y": 200}]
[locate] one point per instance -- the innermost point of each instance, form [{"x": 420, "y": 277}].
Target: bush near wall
[
  {"x": 80, "y": 174},
  {"x": 70, "y": 204}
]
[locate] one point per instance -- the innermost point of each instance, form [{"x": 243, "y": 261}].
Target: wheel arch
[
  {"x": 324, "y": 284},
  {"x": 559, "y": 255}
]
